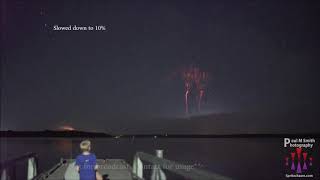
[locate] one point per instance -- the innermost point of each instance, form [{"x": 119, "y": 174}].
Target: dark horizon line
[{"x": 83, "y": 134}]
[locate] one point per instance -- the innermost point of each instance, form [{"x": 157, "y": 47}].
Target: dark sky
[{"x": 260, "y": 55}]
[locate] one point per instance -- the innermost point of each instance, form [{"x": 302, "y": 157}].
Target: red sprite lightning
[{"x": 196, "y": 79}]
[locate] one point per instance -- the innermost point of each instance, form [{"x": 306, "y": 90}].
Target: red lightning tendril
[{"x": 194, "y": 79}]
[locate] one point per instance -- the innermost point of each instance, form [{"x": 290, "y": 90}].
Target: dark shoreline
[{"x": 80, "y": 134}]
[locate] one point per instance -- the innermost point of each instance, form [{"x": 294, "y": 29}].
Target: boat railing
[
  {"x": 8, "y": 168},
  {"x": 159, "y": 164},
  {"x": 47, "y": 173}
]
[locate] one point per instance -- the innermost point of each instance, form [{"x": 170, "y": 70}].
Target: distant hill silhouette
[
  {"x": 80, "y": 134},
  {"x": 292, "y": 121},
  {"x": 264, "y": 123},
  {"x": 50, "y": 133}
]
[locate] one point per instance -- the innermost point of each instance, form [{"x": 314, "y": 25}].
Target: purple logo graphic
[{"x": 297, "y": 163}]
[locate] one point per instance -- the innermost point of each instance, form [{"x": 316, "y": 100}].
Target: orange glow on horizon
[{"x": 66, "y": 128}]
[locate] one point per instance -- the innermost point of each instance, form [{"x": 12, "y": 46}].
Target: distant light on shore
[{"x": 66, "y": 128}]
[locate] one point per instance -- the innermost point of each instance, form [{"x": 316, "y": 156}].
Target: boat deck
[
  {"x": 110, "y": 169},
  {"x": 113, "y": 169}
]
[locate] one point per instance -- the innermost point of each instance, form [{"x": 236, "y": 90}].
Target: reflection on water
[
  {"x": 238, "y": 158},
  {"x": 63, "y": 145}
]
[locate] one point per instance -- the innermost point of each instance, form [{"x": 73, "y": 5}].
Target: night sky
[{"x": 261, "y": 56}]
